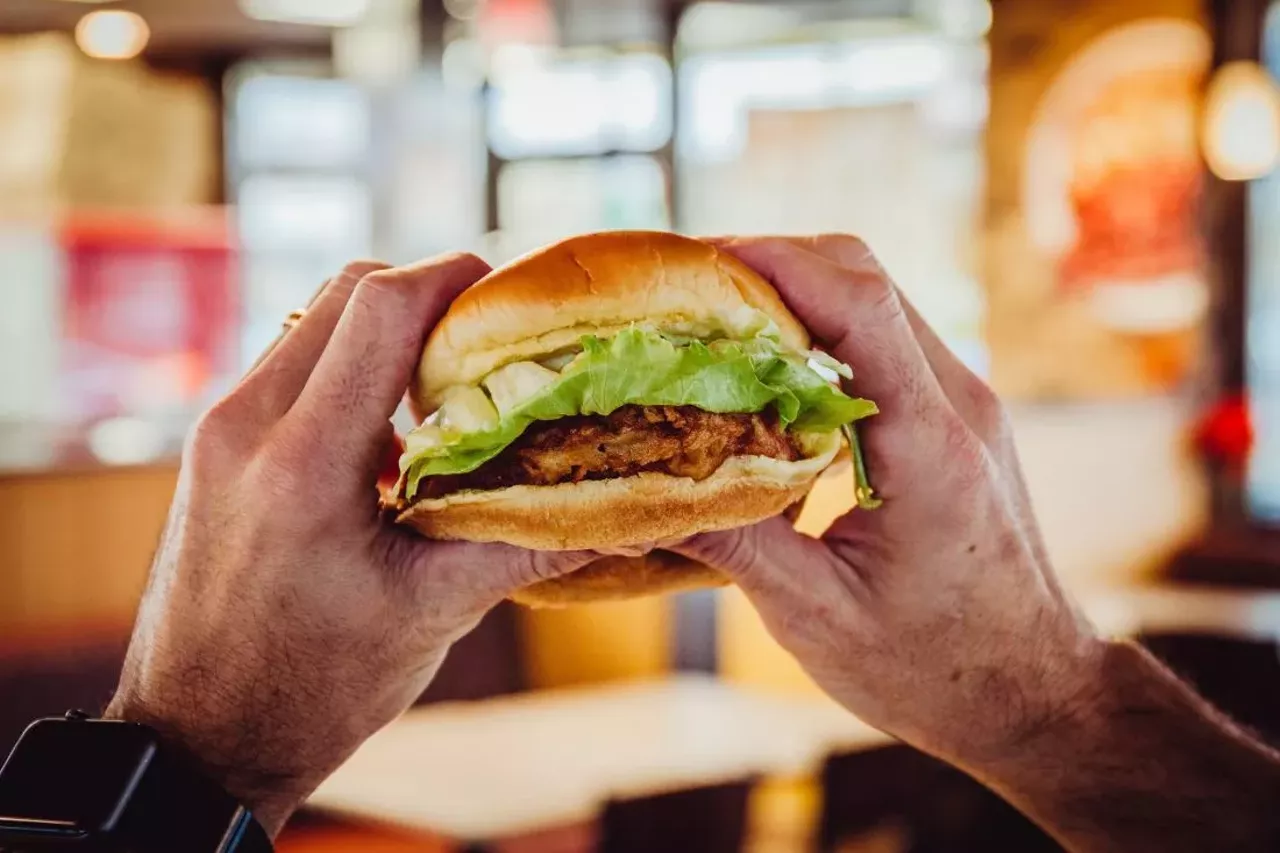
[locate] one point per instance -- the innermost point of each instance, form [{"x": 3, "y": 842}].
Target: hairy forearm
[{"x": 1143, "y": 764}]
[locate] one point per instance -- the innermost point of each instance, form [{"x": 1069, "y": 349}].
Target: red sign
[{"x": 151, "y": 316}]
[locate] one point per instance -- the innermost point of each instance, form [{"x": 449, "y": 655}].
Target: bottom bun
[
  {"x": 618, "y": 578},
  {"x": 607, "y": 514}
]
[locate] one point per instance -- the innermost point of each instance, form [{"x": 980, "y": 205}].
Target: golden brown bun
[
  {"x": 617, "y": 578},
  {"x": 543, "y": 304},
  {"x": 598, "y": 284},
  {"x": 606, "y": 514}
]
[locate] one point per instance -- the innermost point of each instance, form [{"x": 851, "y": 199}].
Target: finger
[
  {"x": 972, "y": 398},
  {"x": 773, "y": 564},
  {"x": 484, "y": 572},
  {"x": 627, "y": 550},
  {"x": 968, "y": 394},
  {"x": 288, "y": 326},
  {"x": 843, "y": 249},
  {"x": 857, "y": 314},
  {"x": 362, "y": 375},
  {"x": 977, "y": 403},
  {"x": 793, "y": 512},
  {"x": 278, "y": 378}
]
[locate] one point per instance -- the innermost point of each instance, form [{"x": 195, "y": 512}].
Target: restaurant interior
[{"x": 1077, "y": 196}]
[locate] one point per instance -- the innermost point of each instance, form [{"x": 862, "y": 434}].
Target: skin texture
[
  {"x": 286, "y": 620},
  {"x": 938, "y": 617}
]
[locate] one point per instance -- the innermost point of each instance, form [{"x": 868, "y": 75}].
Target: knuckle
[
  {"x": 536, "y": 566},
  {"x": 851, "y": 251},
  {"x": 224, "y": 429},
  {"x": 292, "y": 445},
  {"x": 968, "y": 456},
  {"x": 278, "y": 474},
  {"x": 379, "y": 304},
  {"x": 992, "y": 418},
  {"x": 380, "y": 282},
  {"x": 461, "y": 259},
  {"x": 733, "y": 551},
  {"x": 866, "y": 300},
  {"x": 880, "y": 296},
  {"x": 357, "y": 270},
  {"x": 847, "y": 248}
]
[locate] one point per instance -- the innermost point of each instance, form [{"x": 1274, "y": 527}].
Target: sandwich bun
[
  {"x": 620, "y": 578},
  {"x": 596, "y": 284},
  {"x": 541, "y": 305}
]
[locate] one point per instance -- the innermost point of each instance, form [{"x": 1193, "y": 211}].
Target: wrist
[
  {"x": 270, "y": 796},
  {"x": 1124, "y": 710},
  {"x": 1073, "y": 705},
  {"x": 1026, "y": 705},
  {"x": 1139, "y": 762}
]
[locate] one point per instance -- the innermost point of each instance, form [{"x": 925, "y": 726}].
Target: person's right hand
[{"x": 937, "y": 617}]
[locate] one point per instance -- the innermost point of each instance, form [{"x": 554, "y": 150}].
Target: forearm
[{"x": 1143, "y": 764}]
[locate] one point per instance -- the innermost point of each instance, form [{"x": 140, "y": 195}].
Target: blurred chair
[
  {"x": 931, "y": 806},
  {"x": 710, "y": 819},
  {"x": 1240, "y": 677},
  {"x": 48, "y": 682}
]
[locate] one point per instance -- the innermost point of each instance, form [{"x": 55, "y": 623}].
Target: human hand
[
  {"x": 287, "y": 619},
  {"x": 936, "y": 617}
]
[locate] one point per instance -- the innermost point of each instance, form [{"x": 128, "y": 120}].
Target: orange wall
[
  {"x": 75, "y": 548},
  {"x": 598, "y": 642}
]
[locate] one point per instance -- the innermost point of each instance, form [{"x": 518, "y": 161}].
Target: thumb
[
  {"x": 769, "y": 561},
  {"x": 493, "y": 571}
]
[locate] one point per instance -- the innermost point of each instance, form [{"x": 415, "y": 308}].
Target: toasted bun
[
  {"x": 542, "y": 304},
  {"x": 617, "y": 578},
  {"x": 604, "y": 514},
  {"x": 598, "y": 284}
]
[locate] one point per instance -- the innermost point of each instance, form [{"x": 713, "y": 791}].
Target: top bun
[{"x": 596, "y": 284}]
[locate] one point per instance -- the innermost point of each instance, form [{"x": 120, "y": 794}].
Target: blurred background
[{"x": 1079, "y": 196}]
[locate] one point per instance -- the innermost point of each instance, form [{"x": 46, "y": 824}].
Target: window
[
  {"x": 871, "y": 127},
  {"x": 546, "y": 106}
]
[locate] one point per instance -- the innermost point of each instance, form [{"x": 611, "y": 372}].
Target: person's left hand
[{"x": 287, "y": 619}]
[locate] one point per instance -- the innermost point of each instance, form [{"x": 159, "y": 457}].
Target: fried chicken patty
[{"x": 682, "y": 441}]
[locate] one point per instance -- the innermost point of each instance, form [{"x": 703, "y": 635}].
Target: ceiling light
[
  {"x": 1241, "y": 133},
  {"x": 112, "y": 34}
]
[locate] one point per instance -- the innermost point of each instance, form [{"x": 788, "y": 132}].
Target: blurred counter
[{"x": 75, "y": 544}]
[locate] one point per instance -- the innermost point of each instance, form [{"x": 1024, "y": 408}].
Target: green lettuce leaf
[{"x": 639, "y": 366}]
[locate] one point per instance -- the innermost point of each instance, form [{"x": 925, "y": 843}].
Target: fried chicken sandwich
[{"x": 616, "y": 389}]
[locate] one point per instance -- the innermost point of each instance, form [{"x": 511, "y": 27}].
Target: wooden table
[{"x": 501, "y": 768}]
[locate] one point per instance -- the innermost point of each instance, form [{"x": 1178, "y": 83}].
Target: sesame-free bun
[
  {"x": 596, "y": 284},
  {"x": 617, "y": 578},
  {"x": 541, "y": 305}
]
